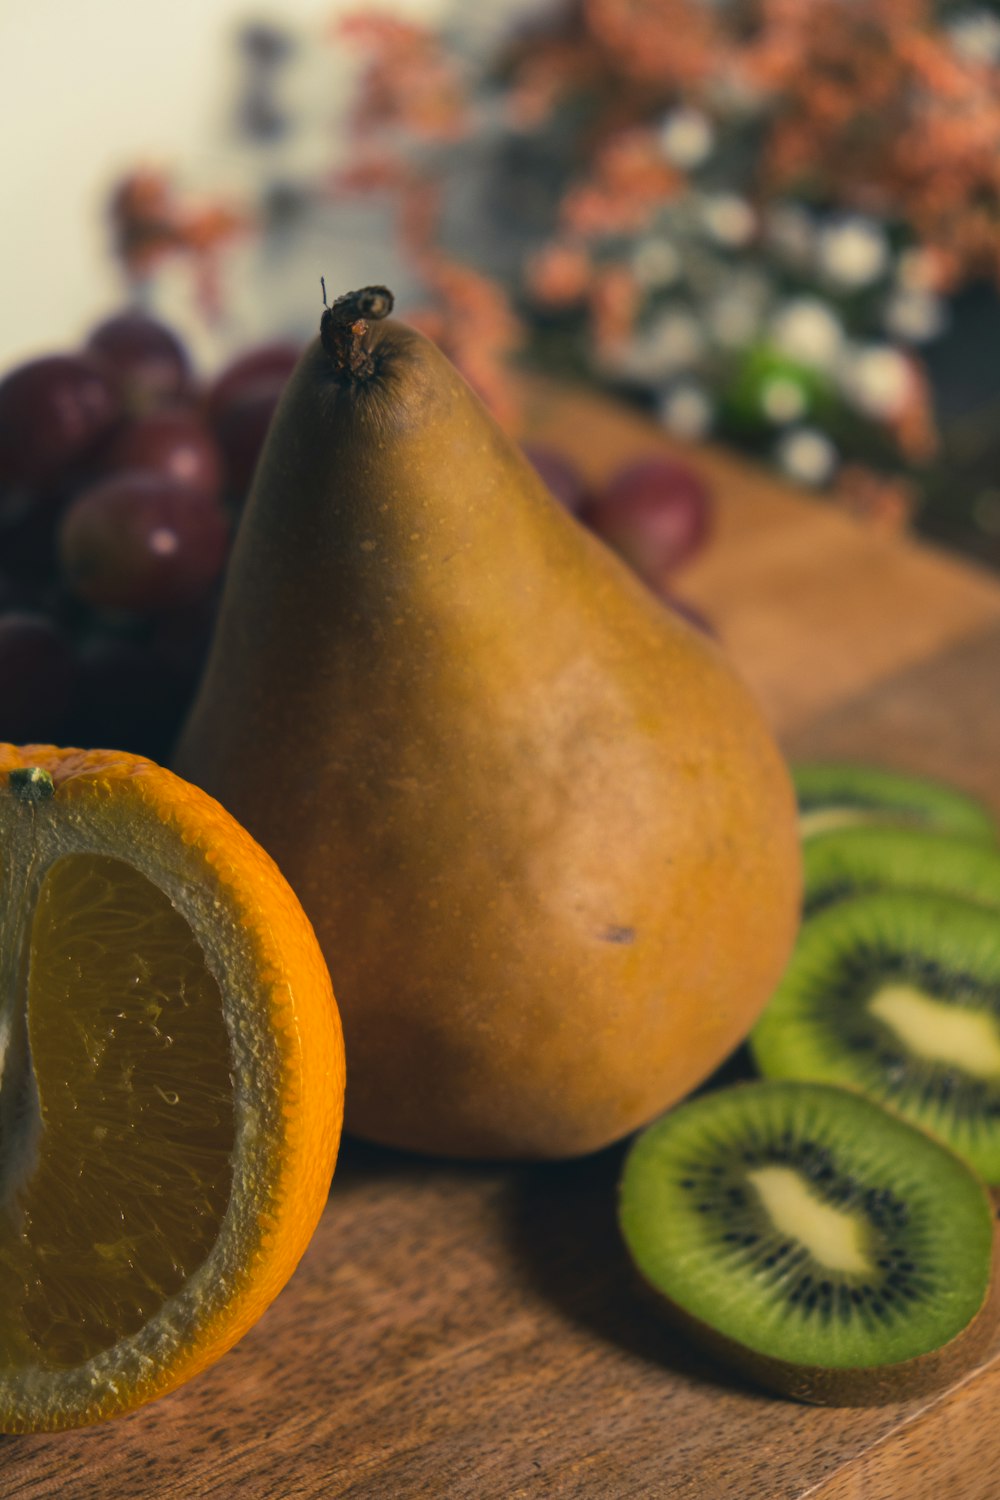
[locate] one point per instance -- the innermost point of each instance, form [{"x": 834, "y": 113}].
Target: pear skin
[{"x": 544, "y": 836}]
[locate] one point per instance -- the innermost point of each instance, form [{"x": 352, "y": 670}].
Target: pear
[{"x": 547, "y": 843}]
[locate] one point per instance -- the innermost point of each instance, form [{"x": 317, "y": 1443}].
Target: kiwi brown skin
[{"x": 864, "y": 1385}]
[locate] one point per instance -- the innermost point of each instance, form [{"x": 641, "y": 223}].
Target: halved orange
[{"x": 171, "y": 1084}]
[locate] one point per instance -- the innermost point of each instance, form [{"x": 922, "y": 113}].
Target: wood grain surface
[{"x": 473, "y": 1331}]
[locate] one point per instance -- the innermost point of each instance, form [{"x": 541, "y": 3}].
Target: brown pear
[{"x": 544, "y": 836}]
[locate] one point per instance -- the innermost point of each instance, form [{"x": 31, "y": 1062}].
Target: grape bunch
[
  {"x": 122, "y": 478},
  {"x": 121, "y": 482},
  {"x": 656, "y": 513}
]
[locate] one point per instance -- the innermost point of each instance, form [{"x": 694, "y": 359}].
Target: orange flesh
[{"x": 116, "y": 1176}]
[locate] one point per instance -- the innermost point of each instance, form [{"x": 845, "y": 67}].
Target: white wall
[{"x": 90, "y": 88}]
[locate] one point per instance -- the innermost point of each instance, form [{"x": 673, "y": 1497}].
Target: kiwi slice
[
  {"x": 840, "y": 796},
  {"x": 897, "y": 993},
  {"x": 853, "y": 860},
  {"x": 823, "y": 1247}
]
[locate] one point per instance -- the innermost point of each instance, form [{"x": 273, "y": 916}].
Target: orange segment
[
  {"x": 131, "y": 1072},
  {"x": 171, "y": 1084}
]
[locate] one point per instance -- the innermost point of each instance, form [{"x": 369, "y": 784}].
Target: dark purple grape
[
  {"x": 141, "y": 543},
  {"x": 265, "y": 365},
  {"x": 241, "y": 428},
  {"x": 53, "y": 412},
  {"x": 656, "y": 514},
  {"x": 560, "y": 475},
  {"x": 176, "y": 443},
  {"x": 148, "y": 358},
  {"x": 36, "y": 675}
]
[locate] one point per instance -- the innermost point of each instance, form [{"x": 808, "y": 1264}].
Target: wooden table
[{"x": 467, "y": 1331}]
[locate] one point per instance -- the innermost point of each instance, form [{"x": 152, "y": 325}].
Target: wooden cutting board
[{"x": 472, "y": 1331}]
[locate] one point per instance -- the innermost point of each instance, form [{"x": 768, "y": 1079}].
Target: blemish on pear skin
[{"x": 615, "y": 934}]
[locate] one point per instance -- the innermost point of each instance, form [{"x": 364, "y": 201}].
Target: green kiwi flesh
[
  {"x": 821, "y": 1246},
  {"x": 833, "y": 795},
  {"x": 851, "y": 861},
  {"x": 897, "y": 993}
]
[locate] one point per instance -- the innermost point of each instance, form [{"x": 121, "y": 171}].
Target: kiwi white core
[
  {"x": 940, "y": 1031},
  {"x": 832, "y": 1236},
  {"x": 826, "y": 819}
]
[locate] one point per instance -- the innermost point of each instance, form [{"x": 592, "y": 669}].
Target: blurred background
[
  {"x": 147, "y": 90},
  {"x": 765, "y": 224},
  {"x": 770, "y": 223}
]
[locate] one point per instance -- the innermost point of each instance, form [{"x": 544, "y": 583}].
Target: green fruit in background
[
  {"x": 768, "y": 389},
  {"x": 546, "y": 841}
]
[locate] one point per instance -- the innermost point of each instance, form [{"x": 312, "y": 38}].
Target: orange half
[{"x": 171, "y": 1084}]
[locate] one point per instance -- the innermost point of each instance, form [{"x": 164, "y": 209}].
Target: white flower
[
  {"x": 791, "y": 233},
  {"x": 686, "y": 410},
  {"x": 686, "y": 138},
  {"x": 975, "y": 36},
  {"x": 782, "y": 399},
  {"x": 876, "y": 379},
  {"x": 733, "y": 319},
  {"x": 733, "y": 94},
  {"x": 808, "y": 330},
  {"x": 806, "y": 455},
  {"x": 853, "y": 252},
  {"x": 656, "y": 263},
  {"x": 914, "y": 315},
  {"x": 728, "y": 219},
  {"x": 671, "y": 343},
  {"x": 676, "y": 338}
]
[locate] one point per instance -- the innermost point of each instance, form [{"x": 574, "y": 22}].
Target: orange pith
[{"x": 171, "y": 1088}]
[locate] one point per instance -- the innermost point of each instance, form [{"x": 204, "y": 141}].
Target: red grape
[
  {"x": 53, "y": 411},
  {"x": 266, "y": 365},
  {"x": 562, "y": 477},
  {"x": 141, "y": 543},
  {"x": 241, "y": 427},
  {"x": 655, "y": 514},
  {"x": 36, "y": 673},
  {"x": 148, "y": 358},
  {"x": 241, "y": 404},
  {"x": 175, "y": 443}
]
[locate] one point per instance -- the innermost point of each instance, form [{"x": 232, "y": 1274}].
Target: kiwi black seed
[
  {"x": 834, "y": 795},
  {"x": 839, "y": 1256},
  {"x": 850, "y": 861},
  {"x": 897, "y": 993}
]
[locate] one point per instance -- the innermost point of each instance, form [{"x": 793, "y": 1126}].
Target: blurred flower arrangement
[{"x": 759, "y": 218}]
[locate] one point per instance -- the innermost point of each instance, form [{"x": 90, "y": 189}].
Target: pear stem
[{"x": 343, "y": 329}]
